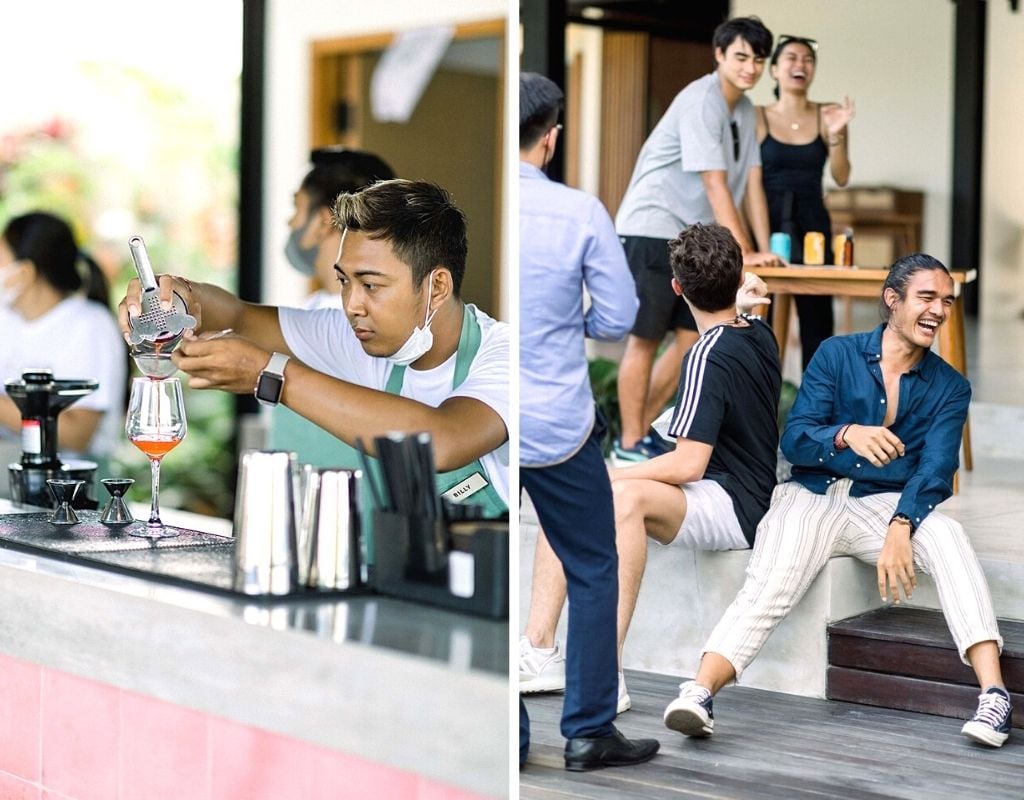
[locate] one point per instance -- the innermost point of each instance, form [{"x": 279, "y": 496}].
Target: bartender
[{"x": 404, "y": 353}]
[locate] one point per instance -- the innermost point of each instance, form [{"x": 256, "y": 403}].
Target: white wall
[
  {"x": 291, "y": 26},
  {"x": 1002, "y": 229},
  {"x": 895, "y": 60}
]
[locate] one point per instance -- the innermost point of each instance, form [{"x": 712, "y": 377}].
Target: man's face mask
[
  {"x": 301, "y": 258},
  {"x": 421, "y": 339}
]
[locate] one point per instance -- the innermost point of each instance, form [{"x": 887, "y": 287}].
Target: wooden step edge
[
  {"x": 891, "y": 631},
  {"x": 910, "y": 694}
]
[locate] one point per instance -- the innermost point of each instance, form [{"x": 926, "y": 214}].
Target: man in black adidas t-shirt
[{"x": 712, "y": 490}]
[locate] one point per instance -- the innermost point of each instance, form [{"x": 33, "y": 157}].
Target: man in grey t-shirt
[{"x": 699, "y": 164}]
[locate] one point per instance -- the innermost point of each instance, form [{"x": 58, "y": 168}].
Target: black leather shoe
[{"x": 615, "y": 750}]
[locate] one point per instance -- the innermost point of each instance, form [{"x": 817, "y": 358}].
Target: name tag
[{"x": 464, "y": 489}]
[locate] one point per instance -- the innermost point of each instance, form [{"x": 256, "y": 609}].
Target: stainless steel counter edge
[{"x": 441, "y": 720}]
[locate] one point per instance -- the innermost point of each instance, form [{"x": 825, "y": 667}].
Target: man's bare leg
[
  {"x": 633, "y": 384},
  {"x": 642, "y": 508},
  {"x": 547, "y": 595}
]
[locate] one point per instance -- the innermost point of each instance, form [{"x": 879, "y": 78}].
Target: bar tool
[
  {"x": 64, "y": 492},
  {"x": 329, "y": 529},
  {"x": 117, "y": 512},
  {"x": 162, "y": 329},
  {"x": 40, "y": 398},
  {"x": 266, "y": 523}
]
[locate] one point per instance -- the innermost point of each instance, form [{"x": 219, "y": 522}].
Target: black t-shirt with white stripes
[{"x": 729, "y": 398}]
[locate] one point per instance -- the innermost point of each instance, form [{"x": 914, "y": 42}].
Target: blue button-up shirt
[
  {"x": 843, "y": 384},
  {"x": 567, "y": 243}
]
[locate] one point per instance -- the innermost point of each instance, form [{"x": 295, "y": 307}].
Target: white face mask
[
  {"x": 9, "y": 294},
  {"x": 421, "y": 339}
]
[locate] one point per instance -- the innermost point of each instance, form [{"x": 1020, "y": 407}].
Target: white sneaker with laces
[
  {"x": 691, "y": 713},
  {"x": 541, "y": 669},
  {"x": 624, "y": 702}
]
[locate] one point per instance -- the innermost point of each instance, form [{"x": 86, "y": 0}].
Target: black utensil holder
[{"x": 485, "y": 541}]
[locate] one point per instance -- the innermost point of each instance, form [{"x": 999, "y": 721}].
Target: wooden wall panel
[{"x": 623, "y": 111}]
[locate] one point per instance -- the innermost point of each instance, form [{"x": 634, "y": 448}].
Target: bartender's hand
[
  {"x": 131, "y": 305},
  {"x": 761, "y": 260},
  {"x": 753, "y": 293},
  {"x": 220, "y": 361}
]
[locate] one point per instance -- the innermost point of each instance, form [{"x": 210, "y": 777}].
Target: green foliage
[
  {"x": 604, "y": 375},
  {"x": 171, "y": 177},
  {"x": 197, "y": 474},
  {"x": 786, "y": 399}
]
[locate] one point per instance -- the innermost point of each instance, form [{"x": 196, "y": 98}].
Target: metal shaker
[
  {"x": 266, "y": 523},
  {"x": 329, "y": 529}
]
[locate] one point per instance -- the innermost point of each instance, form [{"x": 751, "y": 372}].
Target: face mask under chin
[{"x": 420, "y": 340}]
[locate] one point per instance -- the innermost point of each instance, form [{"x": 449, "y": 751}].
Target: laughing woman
[{"x": 797, "y": 137}]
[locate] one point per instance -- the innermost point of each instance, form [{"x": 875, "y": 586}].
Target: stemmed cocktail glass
[{"x": 155, "y": 424}]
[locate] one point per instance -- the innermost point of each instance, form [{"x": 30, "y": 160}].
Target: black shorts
[{"x": 661, "y": 310}]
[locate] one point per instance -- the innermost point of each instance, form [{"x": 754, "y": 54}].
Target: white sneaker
[
  {"x": 540, "y": 669},
  {"x": 624, "y": 702},
  {"x": 691, "y": 712}
]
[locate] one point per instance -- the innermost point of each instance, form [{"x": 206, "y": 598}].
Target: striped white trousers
[{"x": 802, "y": 530}]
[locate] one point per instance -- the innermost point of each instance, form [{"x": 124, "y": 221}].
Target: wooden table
[{"x": 783, "y": 282}]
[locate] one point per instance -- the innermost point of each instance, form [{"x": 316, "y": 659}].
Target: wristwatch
[{"x": 270, "y": 383}]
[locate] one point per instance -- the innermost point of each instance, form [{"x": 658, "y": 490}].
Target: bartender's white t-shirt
[
  {"x": 323, "y": 339},
  {"x": 77, "y": 338}
]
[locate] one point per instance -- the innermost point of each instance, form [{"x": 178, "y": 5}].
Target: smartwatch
[{"x": 270, "y": 383}]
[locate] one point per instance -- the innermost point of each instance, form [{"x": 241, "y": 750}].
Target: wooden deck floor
[{"x": 770, "y": 746}]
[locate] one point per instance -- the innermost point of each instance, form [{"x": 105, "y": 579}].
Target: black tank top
[{"x": 792, "y": 183}]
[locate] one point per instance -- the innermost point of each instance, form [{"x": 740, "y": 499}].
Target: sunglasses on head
[{"x": 785, "y": 39}]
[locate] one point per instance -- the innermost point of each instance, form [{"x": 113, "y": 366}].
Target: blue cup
[{"x": 781, "y": 245}]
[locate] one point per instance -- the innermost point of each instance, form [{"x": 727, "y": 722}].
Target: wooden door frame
[{"x": 327, "y": 54}]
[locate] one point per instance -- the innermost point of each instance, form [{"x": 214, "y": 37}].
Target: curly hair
[{"x": 708, "y": 264}]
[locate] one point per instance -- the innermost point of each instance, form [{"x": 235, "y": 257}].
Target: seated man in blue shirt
[{"x": 874, "y": 438}]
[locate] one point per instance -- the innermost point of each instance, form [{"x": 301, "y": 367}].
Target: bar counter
[{"x": 353, "y": 697}]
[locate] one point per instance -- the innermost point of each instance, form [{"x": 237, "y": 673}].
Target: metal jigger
[
  {"x": 116, "y": 512},
  {"x": 64, "y": 492}
]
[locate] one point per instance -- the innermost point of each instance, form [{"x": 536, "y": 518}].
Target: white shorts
[{"x": 710, "y": 522}]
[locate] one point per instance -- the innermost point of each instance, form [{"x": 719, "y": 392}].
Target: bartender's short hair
[
  {"x": 418, "y": 219},
  {"x": 900, "y": 273},
  {"x": 749, "y": 29},
  {"x": 707, "y": 263},
  {"x": 540, "y": 103}
]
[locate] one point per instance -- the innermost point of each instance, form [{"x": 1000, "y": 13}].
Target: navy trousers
[{"x": 574, "y": 505}]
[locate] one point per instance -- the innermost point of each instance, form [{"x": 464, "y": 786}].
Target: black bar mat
[{"x": 192, "y": 559}]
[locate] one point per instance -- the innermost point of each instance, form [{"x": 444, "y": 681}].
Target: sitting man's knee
[{"x": 627, "y": 497}]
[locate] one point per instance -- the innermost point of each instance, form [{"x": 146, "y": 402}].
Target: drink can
[
  {"x": 839, "y": 249},
  {"x": 814, "y": 248},
  {"x": 781, "y": 245}
]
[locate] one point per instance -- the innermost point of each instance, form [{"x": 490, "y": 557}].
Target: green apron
[{"x": 469, "y": 484}]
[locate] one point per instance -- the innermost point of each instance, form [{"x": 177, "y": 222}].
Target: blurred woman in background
[
  {"x": 797, "y": 137},
  {"x": 54, "y": 314}
]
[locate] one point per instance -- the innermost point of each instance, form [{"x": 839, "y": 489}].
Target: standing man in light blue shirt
[
  {"x": 568, "y": 244},
  {"x": 701, "y": 163}
]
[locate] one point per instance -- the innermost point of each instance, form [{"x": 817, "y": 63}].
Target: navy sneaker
[
  {"x": 691, "y": 712},
  {"x": 991, "y": 723},
  {"x": 656, "y": 442},
  {"x": 641, "y": 451}
]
